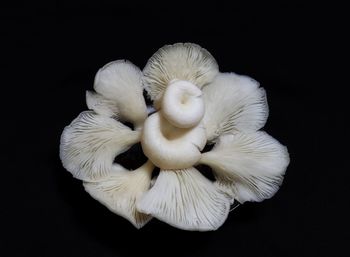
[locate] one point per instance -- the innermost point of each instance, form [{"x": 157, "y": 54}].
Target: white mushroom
[
  {"x": 192, "y": 104},
  {"x": 121, "y": 81},
  {"x": 182, "y": 104},
  {"x": 169, "y": 147},
  {"x": 248, "y": 167},
  {"x": 185, "y": 199},
  {"x": 233, "y": 103},
  {"x": 90, "y": 144},
  {"x": 173, "y": 137},
  {"x": 188, "y": 62},
  {"x": 120, "y": 191}
]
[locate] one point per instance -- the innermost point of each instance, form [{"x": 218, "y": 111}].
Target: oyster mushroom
[
  {"x": 187, "y": 62},
  {"x": 173, "y": 137},
  {"x": 120, "y": 82},
  {"x": 121, "y": 190},
  {"x": 193, "y": 105},
  {"x": 91, "y": 142},
  {"x": 234, "y": 103},
  {"x": 182, "y": 104}
]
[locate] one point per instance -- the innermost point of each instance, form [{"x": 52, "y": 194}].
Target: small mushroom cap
[{"x": 182, "y": 104}]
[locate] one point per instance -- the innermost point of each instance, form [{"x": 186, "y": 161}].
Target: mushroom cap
[
  {"x": 182, "y": 104},
  {"x": 185, "y": 61}
]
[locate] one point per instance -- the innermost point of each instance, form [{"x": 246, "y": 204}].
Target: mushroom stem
[
  {"x": 169, "y": 147},
  {"x": 182, "y": 104}
]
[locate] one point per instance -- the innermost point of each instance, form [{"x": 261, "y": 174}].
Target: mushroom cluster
[{"x": 194, "y": 105}]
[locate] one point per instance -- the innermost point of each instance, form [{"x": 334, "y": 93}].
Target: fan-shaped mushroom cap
[{"x": 183, "y": 61}]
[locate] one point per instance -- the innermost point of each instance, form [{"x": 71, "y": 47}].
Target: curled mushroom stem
[
  {"x": 169, "y": 147},
  {"x": 174, "y": 136},
  {"x": 182, "y": 104}
]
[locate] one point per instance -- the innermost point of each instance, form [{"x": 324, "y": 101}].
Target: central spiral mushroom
[
  {"x": 173, "y": 137},
  {"x": 194, "y": 103}
]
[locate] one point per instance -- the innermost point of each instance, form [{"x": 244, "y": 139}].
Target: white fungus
[{"x": 193, "y": 105}]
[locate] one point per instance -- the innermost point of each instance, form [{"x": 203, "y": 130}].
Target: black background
[{"x": 50, "y": 55}]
